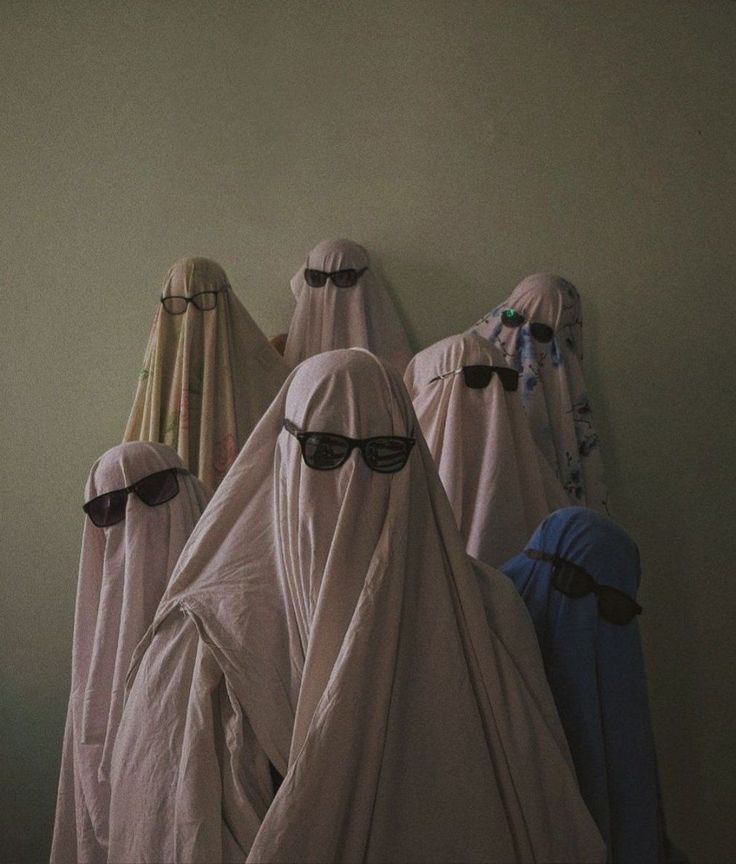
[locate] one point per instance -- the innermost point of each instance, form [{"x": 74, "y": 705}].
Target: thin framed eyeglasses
[
  {"x": 540, "y": 332},
  {"x": 325, "y": 451},
  {"x": 479, "y": 376},
  {"x": 574, "y": 581},
  {"x": 340, "y": 278},
  {"x": 176, "y": 304},
  {"x": 158, "y": 488}
]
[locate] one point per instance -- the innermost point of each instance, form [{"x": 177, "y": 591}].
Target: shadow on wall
[{"x": 672, "y": 682}]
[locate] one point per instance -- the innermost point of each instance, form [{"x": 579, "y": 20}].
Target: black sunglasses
[
  {"x": 340, "y": 278},
  {"x": 155, "y": 489},
  {"x": 540, "y": 332},
  {"x": 176, "y": 304},
  {"x": 324, "y": 451},
  {"x": 573, "y": 581},
  {"x": 478, "y": 377}
]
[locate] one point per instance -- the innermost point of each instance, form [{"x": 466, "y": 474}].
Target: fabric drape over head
[
  {"x": 123, "y": 572},
  {"x": 331, "y": 624},
  {"x": 551, "y": 381},
  {"x": 330, "y": 317},
  {"x": 499, "y": 484},
  {"x": 208, "y": 376},
  {"x": 596, "y": 672}
]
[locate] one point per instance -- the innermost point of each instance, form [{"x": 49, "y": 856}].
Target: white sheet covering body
[
  {"x": 123, "y": 572},
  {"x": 499, "y": 484},
  {"x": 331, "y": 623},
  {"x": 207, "y": 377},
  {"x": 329, "y": 317},
  {"x": 552, "y": 385}
]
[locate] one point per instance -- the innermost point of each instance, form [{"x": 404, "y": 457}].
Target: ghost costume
[
  {"x": 596, "y": 672},
  {"x": 123, "y": 572},
  {"x": 551, "y": 381},
  {"x": 330, "y": 317},
  {"x": 328, "y": 626},
  {"x": 208, "y": 376},
  {"x": 499, "y": 484}
]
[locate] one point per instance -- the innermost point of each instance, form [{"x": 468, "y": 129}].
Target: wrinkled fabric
[
  {"x": 330, "y": 624},
  {"x": 551, "y": 381},
  {"x": 123, "y": 572},
  {"x": 208, "y": 376},
  {"x": 329, "y": 317},
  {"x": 499, "y": 484},
  {"x": 596, "y": 672}
]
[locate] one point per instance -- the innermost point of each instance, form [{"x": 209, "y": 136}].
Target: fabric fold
[
  {"x": 329, "y": 317},
  {"x": 208, "y": 375},
  {"x": 596, "y": 672},
  {"x": 499, "y": 484},
  {"x": 375, "y": 666},
  {"x": 552, "y": 384},
  {"x": 123, "y": 572}
]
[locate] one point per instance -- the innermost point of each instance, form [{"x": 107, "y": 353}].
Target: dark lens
[
  {"x": 205, "y": 301},
  {"x": 571, "y": 581},
  {"x": 511, "y": 318},
  {"x": 314, "y": 278},
  {"x": 108, "y": 509},
  {"x": 345, "y": 278},
  {"x": 323, "y": 451},
  {"x": 509, "y": 377},
  {"x": 541, "y": 332},
  {"x": 615, "y": 606},
  {"x": 387, "y": 455},
  {"x": 175, "y": 305},
  {"x": 477, "y": 376},
  {"x": 157, "y": 488}
]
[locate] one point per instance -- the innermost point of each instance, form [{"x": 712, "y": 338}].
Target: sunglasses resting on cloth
[
  {"x": 540, "y": 332},
  {"x": 573, "y": 581},
  {"x": 324, "y": 451},
  {"x": 340, "y": 278},
  {"x": 109, "y": 508},
  {"x": 479, "y": 376}
]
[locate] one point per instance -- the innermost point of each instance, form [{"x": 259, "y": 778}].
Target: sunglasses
[
  {"x": 176, "y": 304},
  {"x": 340, "y": 278},
  {"x": 155, "y": 489},
  {"x": 574, "y": 581},
  {"x": 540, "y": 332},
  {"x": 324, "y": 451},
  {"x": 478, "y": 377}
]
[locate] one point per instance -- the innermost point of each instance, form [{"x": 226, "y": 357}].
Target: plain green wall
[{"x": 466, "y": 144}]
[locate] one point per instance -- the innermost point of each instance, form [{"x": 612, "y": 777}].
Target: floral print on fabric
[
  {"x": 225, "y": 452},
  {"x": 551, "y": 383},
  {"x": 207, "y": 374}
]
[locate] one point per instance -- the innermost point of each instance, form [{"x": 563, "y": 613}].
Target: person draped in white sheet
[
  {"x": 208, "y": 375},
  {"x": 325, "y": 624},
  {"x": 539, "y": 329},
  {"x": 341, "y": 302},
  {"x": 469, "y": 407},
  {"x": 125, "y": 565}
]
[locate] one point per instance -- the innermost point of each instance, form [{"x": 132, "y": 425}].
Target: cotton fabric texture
[
  {"x": 330, "y": 623},
  {"x": 329, "y": 317},
  {"x": 208, "y": 376},
  {"x": 596, "y": 672},
  {"x": 123, "y": 572},
  {"x": 499, "y": 484},
  {"x": 552, "y": 384}
]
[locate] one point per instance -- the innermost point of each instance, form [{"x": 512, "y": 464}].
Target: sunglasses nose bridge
[{"x": 356, "y": 445}]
